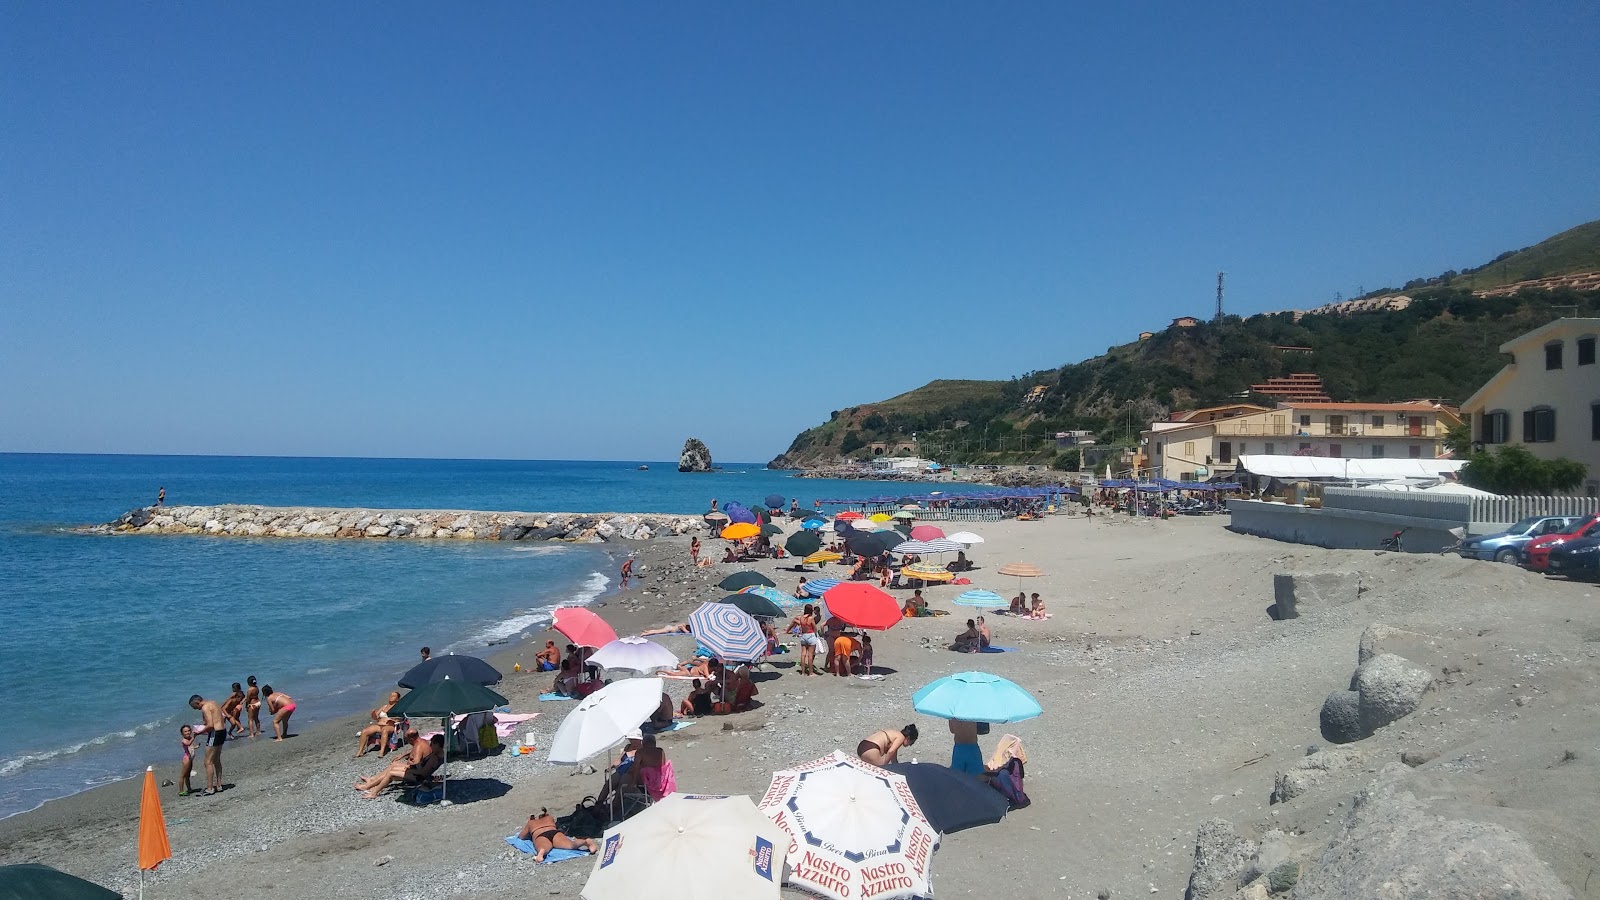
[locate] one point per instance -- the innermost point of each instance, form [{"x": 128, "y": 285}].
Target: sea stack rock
[{"x": 695, "y": 457}]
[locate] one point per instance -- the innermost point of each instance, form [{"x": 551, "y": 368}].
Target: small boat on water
[{"x": 644, "y": 468}]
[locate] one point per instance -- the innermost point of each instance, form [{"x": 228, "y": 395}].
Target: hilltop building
[
  {"x": 1035, "y": 394},
  {"x": 1184, "y": 322},
  {"x": 1547, "y": 398},
  {"x": 1298, "y": 388}
]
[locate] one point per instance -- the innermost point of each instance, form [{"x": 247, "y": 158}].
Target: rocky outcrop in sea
[
  {"x": 696, "y": 457},
  {"x": 321, "y": 522}
]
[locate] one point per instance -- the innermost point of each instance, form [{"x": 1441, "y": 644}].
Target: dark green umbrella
[
  {"x": 754, "y": 604},
  {"x": 763, "y": 515},
  {"x": 769, "y": 529},
  {"x": 445, "y": 698},
  {"x": 803, "y": 544},
  {"x": 738, "y": 581},
  {"x": 31, "y": 881}
]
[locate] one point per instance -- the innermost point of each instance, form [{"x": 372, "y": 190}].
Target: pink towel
[{"x": 659, "y": 781}]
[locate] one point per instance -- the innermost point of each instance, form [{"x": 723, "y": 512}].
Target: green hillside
[{"x": 1443, "y": 346}]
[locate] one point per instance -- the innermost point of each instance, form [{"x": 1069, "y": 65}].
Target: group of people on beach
[
  {"x": 237, "y": 716},
  {"x": 846, "y": 651}
]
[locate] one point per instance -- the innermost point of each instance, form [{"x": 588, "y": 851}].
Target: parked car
[
  {"x": 1536, "y": 555},
  {"x": 1577, "y": 558},
  {"x": 1506, "y": 546}
]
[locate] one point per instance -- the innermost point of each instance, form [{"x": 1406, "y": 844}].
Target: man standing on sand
[
  {"x": 965, "y": 755},
  {"x": 216, "y": 731},
  {"x": 627, "y": 571}
]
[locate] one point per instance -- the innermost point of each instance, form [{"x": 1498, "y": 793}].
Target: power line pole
[{"x": 1219, "y": 297}]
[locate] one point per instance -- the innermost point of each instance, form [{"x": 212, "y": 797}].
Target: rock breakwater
[{"x": 391, "y": 524}]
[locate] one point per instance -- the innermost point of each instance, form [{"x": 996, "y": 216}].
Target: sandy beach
[{"x": 1170, "y": 697}]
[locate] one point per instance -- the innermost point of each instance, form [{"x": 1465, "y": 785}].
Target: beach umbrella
[
  {"x": 979, "y": 598},
  {"x": 738, "y": 581},
  {"x": 770, "y": 530},
  {"x": 754, "y": 604},
  {"x": 822, "y": 556},
  {"x": 803, "y": 543},
  {"x": 460, "y": 668},
  {"x": 635, "y": 654},
  {"x": 907, "y": 514},
  {"x": 878, "y": 517},
  {"x": 704, "y": 846},
  {"x": 583, "y": 627},
  {"x": 927, "y": 572},
  {"x": 848, "y": 516},
  {"x": 31, "y": 881},
  {"x": 927, "y": 532},
  {"x": 775, "y": 501},
  {"x": 850, "y": 824},
  {"x": 715, "y": 516},
  {"x": 604, "y": 719},
  {"x": 976, "y": 697},
  {"x": 738, "y": 513},
  {"x": 730, "y": 633},
  {"x": 965, "y": 537},
  {"x": 816, "y": 587},
  {"x": 739, "y": 531},
  {"x": 813, "y": 524},
  {"x": 442, "y": 699},
  {"x": 862, "y": 605},
  {"x": 784, "y": 601},
  {"x": 938, "y": 545},
  {"x": 1020, "y": 570},
  {"x": 952, "y": 801},
  {"x": 153, "y": 846}
]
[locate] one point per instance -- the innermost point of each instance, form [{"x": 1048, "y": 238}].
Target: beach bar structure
[{"x": 967, "y": 506}]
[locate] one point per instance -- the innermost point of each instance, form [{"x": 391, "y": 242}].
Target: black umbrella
[
  {"x": 456, "y": 668},
  {"x": 445, "y": 698},
  {"x": 872, "y": 543},
  {"x": 803, "y": 543},
  {"x": 31, "y": 881},
  {"x": 952, "y": 801},
  {"x": 738, "y": 581},
  {"x": 754, "y": 604},
  {"x": 775, "y": 501}
]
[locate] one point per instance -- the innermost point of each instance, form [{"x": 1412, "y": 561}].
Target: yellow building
[{"x": 1547, "y": 398}]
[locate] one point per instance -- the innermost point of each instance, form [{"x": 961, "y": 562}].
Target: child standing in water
[{"x": 186, "y": 764}]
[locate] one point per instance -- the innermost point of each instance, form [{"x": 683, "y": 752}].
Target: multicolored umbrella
[
  {"x": 862, "y": 605},
  {"x": 927, "y": 572},
  {"x": 927, "y": 533},
  {"x": 583, "y": 627},
  {"x": 980, "y": 598},
  {"x": 730, "y": 633},
  {"x": 738, "y": 581},
  {"x": 703, "y": 846},
  {"x": 855, "y": 830},
  {"x": 976, "y": 697},
  {"x": 739, "y": 531}
]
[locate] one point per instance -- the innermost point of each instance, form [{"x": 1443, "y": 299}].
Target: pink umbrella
[
  {"x": 926, "y": 533},
  {"x": 583, "y": 627}
]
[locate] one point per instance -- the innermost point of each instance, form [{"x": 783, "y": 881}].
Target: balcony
[{"x": 1320, "y": 429}]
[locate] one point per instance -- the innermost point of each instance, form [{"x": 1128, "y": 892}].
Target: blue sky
[{"x": 591, "y": 230}]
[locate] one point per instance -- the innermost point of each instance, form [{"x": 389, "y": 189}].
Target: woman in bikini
[
  {"x": 252, "y": 705},
  {"x": 281, "y": 706},
  {"x": 382, "y": 727},
  {"x": 231, "y": 708},
  {"x": 883, "y": 747},
  {"x": 544, "y": 834},
  {"x": 805, "y": 625}
]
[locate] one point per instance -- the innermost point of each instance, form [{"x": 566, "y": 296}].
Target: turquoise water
[{"x": 107, "y": 636}]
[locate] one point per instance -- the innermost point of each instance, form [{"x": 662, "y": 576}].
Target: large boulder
[
  {"x": 1390, "y": 847},
  {"x": 1341, "y": 718},
  {"x": 695, "y": 457},
  {"x": 1305, "y": 592},
  {"x": 1315, "y": 770},
  {"x": 1390, "y": 688},
  {"x": 1221, "y": 858},
  {"x": 1380, "y": 639}
]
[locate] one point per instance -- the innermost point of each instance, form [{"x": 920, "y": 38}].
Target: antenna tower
[{"x": 1219, "y": 296}]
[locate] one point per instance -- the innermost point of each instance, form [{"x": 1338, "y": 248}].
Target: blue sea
[{"x": 107, "y": 636}]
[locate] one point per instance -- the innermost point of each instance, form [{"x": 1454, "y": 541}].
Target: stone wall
[{"x": 322, "y": 522}]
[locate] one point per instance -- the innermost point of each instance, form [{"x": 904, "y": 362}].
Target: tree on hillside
[{"x": 1514, "y": 470}]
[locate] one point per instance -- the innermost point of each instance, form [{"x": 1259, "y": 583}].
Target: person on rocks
[
  {"x": 215, "y": 728},
  {"x": 883, "y": 747},
  {"x": 161, "y": 496}
]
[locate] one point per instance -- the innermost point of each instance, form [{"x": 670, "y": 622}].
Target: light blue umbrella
[
  {"x": 816, "y": 587},
  {"x": 812, "y": 524},
  {"x": 980, "y": 598},
  {"x": 782, "y": 600},
  {"x": 976, "y": 697},
  {"x": 730, "y": 633}
]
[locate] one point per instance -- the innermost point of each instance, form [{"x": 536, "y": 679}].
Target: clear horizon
[{"x": 589, "y": 233}]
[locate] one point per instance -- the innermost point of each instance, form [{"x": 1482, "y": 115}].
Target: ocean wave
[
  {"x": 590, "y": 588},
  {"x": 320, "y": 670},
  {"x": 13, "y": 766}
]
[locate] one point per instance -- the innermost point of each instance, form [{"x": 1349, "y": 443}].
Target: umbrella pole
[{"x": 444, "y": 767}]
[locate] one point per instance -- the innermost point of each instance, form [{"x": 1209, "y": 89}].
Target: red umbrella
[
  {"x": 926, "y": 533},
  {"x": 862, "y": 605},
  {"x": 850, "y": 516},
  {"x": 583, "y": 627}
]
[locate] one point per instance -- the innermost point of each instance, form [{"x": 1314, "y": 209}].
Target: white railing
[
  {"x": 1510, "y": 509},
  {"x": 1455, "y": 508}
]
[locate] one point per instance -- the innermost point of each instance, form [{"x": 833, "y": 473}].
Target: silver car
[{"x": 1506, "y": 546}]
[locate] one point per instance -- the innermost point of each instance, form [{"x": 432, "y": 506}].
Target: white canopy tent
[{"x": 1318, "y": 467}]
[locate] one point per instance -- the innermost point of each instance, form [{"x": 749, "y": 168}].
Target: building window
[
  {"x": 1552, "y": 355},
  {"x": 1377, "y": 451},
  {"x": 1414, "y": 451},
  {"x": 1336, "y": 450},
  {"x": 1594, "y": 423},
  {"x": 1271, "y": 448},
  {"x": 1586, "y": 351},
  {"x": 1242, "y": 450},
  {"x": 1305, "y": 421},
  {"x": 1225, "y": 451},
  {"x": 1188, "y": 449},
  {"x": 1495, "y": 427},
  {"x": 1158, "y": 448},
  {"x": 1539, "y": 425},
  {"x": 1377, "y": 421},
  {"x": 1304, "y": 446}
]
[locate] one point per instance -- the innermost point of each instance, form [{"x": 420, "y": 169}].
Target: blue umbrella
[
  {"x": 774, "y": 501},
  {"x": 976, "y": 697},
  {"x": 730, "y": 633},
  {"x": 812, "y": 524},
  {"x": 737, "y": 512},
  {"x": 952, "y": 801},
  {"x": 817, "y": 586},
  {"x": 784, "y": 601},
  {"x": 979, "y": 598}
]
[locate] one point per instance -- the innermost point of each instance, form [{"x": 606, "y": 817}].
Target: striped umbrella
[
  {"x": 728, "y": 632},
  {"x": 939, "y": 545},
  {"x": 816, "y": 587},
  {"x": 822, "y": 556},
  {"x": 980, "y": 598},
  {"x": 927, "y": 572}
]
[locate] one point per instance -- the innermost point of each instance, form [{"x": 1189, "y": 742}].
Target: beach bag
[
  {"x": 1008, "y": 781},
  {"x": 586, "y": 821},
  {"x": 488, "y": 738}
]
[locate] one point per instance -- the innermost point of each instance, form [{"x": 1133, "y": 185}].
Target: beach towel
[
  {"x": 1010, "y": 747},
  {"x": 993, "y": 649},
  {"x": 554, "y": 856},
  {"x": 554, "y": 696},
  {"x": 506, "y": 723},
  {"x": 659, "y": 781},
  {"x": 870, "y": 677},
  {"x": 677, "y": 725}
]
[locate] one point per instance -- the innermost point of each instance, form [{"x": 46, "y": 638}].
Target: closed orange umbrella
[
  {"x": 153, "y": 846},
  {"x": 738, "y": 531}
]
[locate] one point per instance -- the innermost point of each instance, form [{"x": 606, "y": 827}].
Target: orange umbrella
[
  {"x": 153, "y": 846},
  {"x": 738, "y": 531}
]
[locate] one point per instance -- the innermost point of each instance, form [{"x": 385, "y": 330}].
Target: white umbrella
[
  {"x": 856, "y": 830},
  {"x": 706, "y": 847},
  {"x": 604, "y": 718},
  {"x": 634, "y": 653},
  {"x": 965, "y": 537}
]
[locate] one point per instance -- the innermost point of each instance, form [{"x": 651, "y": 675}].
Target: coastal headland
[{"x": 239, "y": 520}]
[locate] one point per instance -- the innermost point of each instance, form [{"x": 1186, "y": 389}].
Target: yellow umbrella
[
  {"x": 928, "y": 573},
  {"x": 879, "y": 517},
  {"x": 738, "y": 531},
  {"x": 822, "y": 556}
]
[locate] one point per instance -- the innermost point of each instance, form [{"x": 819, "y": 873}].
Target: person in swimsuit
[
  {"x": 844, "y": 646},
  {"x": 427, "y": 653},
  {"x": 216, "y": 731},
  {"x": 694, "y": 550},
  {"x": 679, "y": 628},
  {"x": 281, "y": 706},
  {"x": 186, "y": 764},
  {"x": 252, "y": 705},
  {"x": 397, "y": 768},
  {"x": 883, "y": 747},
  {"x": 549, "y": 658},
  {"x": 627, "y": 571},
  {"x": 800, "y": 589},
  {"x": 805, "y": 625},
  {"x": 231, "y": 708},
  {"x": 382, "y": 727},
  {"x": 698, "y": 703},
  {"x": 416, "y": 773},
  {"x": 161, "y": 496},
  {"x": 984, "y": 637},
  {"x": 965, "y": 755},
  {"x": 544, "y": 834},
  {"x": 662, "y": 717}
]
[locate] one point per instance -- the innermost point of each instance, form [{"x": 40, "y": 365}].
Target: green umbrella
[
  {"x": 740, "y": 580},
  {"x": 30, "y": 881},
  {"x": 769, "y": 530},
  {"x": 445, "y": 698},
  {"x": 803, "y": 544}
]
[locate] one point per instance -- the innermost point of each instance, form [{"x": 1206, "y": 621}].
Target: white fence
[
  {"x": 1510, "y": 509},
  {"x": 1453, "y": 507}
]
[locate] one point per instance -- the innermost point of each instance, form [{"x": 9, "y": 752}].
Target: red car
[{"x": 1536, "y": 554}]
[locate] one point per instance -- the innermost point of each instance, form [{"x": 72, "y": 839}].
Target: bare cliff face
[{"x": 695, "y": 457}]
